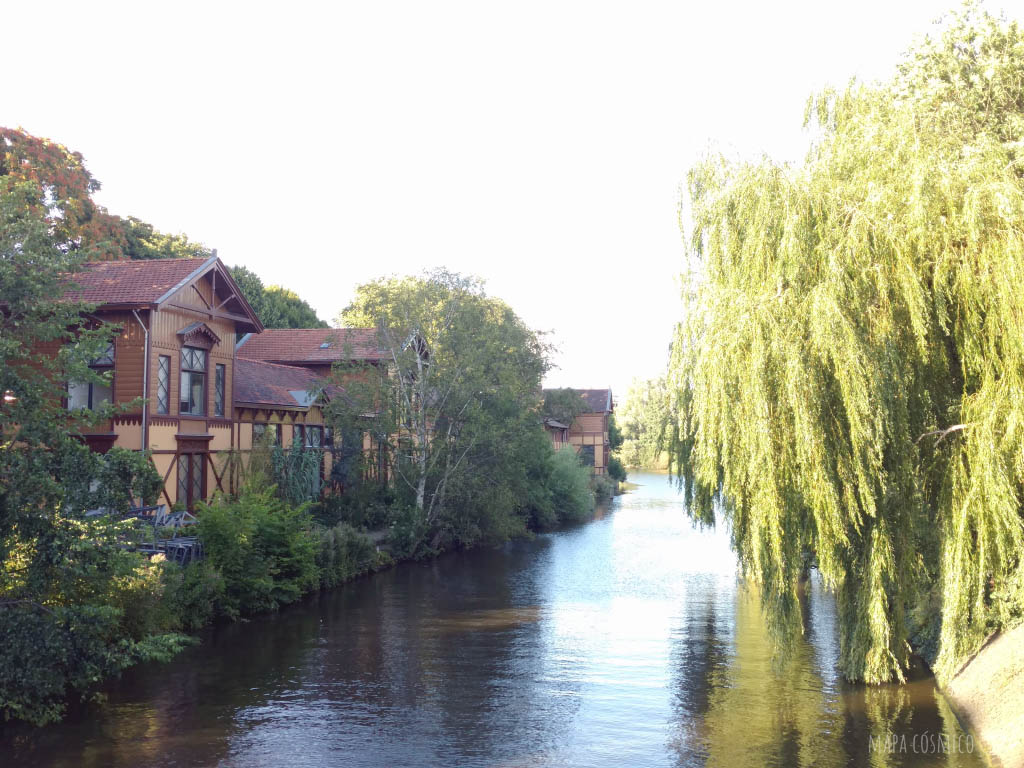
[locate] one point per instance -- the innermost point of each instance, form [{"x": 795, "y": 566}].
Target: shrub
[
  {"x": 262, "y": 548},
  {"x": 616, "y": 470},
  {"x": 603, "y": 487},
  {"x": 342, "y": 554},
  {"x": 569, "y": 483}
]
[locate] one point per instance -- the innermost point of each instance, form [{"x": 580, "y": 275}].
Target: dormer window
[
  {"x": 92, "y": 395},
  {"x": 193, "y": 382}
]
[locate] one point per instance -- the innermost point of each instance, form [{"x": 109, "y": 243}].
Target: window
[
  {"x": 587, "y": 455},
  {"x": 218, "y": 398},
  {"x": 260, "y": 430},
  {"x": 192, "y": 396},
  {"x": 298, "y": 434},
  {"x": 314, "y": 437},
  {"x": 90, "y": 394},
  {"x": 163, "y": 384},
  {"x": 191, "y": 478}
]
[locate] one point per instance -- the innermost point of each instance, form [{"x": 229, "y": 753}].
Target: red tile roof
[
  {"x": 305, "y": 345},
  {"x": 129, "y": 282},
  {"x": 596, "y": 400},
  {"x": 263, "y": 383}
]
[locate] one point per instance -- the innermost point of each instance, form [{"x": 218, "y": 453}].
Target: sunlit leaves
[{"x": 843, "y": 309}]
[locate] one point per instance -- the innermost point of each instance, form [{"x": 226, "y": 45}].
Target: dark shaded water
[{"x": 626, "y": 642}]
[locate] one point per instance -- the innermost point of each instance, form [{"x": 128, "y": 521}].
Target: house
[
  {"x": 316, "y": 349},
  {"x": 175, "y": 355},
  {"x": 588, "y": 432},
  {"x": 558, "y": 432}
]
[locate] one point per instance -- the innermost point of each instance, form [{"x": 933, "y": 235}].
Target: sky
[{"x": 542, "y": 146}]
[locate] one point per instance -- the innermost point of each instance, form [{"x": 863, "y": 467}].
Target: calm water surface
[{"x": 625, "y": 642}]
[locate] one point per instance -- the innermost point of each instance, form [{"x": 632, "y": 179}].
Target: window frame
[
  {"x": 265, "y": 425},
  {"x": 220, "y": 377},
  {"x": 193, "y": 487},
  {"x": 163, "y": 381},
  {"x": 105, "y": 362},
  {"x": 186, "y": 370}
]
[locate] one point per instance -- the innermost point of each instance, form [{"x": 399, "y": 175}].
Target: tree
[
  {"x": 142, "y": 241},
  {"x": 563, "y": 405},
  {"x": 65, "y": 193},
  {"x": 848, "y": 371},
  {"x": 451, "y": 406},
  {"x": 644, "y": 419},
  {"x": 73, "y": 603},
  {"x": 276, "y": 307}
]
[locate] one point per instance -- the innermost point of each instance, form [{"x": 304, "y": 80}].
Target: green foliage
[
  {"x": 76, "y": 608},
  {"x": 569, "y": 483},
  {"x": 296, "y": 472},
  {"x": 141, "y": 241},
  {"x": 275, "y": 306},
  {"x": 563, "y": 405},
  {"x": 195, "y": 595},
  {"x": 342, "y": 554},
  {"x": 262, "y": 548},
  {"x": 408, "y": 533},
  {"x": 127, "y": 478},
  {"x": 363, "y": 506},
  {"x": 616, "y": 469},
  {"x": 615, "y": 436},
  {"x": 453, "y": 411},
  {"x": 848, "y": 372},
  {"x": 603, "y": 487},
  {"x": 644, "y": 419}
]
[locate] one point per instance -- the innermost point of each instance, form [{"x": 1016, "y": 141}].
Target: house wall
[
  {"x": 592, "y": 429},
  {"x": 245, "y": 417}
]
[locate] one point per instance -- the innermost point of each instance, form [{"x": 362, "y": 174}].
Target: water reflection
[{"x": 626, "y": 641}]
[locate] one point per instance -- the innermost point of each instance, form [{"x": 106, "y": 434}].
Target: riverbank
[{"x": 987, "y": 694}]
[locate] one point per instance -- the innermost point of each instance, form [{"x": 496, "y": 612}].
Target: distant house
[
  {"x": 176, "y": 351},
  {"x": 588, "y": 433},
  {"x": 558, "y": 432}
]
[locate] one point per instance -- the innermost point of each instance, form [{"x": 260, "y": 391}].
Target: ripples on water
[{"x": 624, "y": 642}]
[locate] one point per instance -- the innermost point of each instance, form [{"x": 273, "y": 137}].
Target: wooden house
[
  {"x": 179, "y": 321},
  {"x": 558, "y": 432},
  {"x": 588, "y": 433},
  {"x": 316, "y": 349}
]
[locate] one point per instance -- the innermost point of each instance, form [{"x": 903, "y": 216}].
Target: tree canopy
[
  {"x": 275, "y": 306},
  {"x": 454, "y": 409},
  {"x": 847, "y": 380},
  {"x": 644, "y": 421}
]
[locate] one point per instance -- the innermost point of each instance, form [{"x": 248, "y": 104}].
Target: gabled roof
[
  {"x": 555, "y": 424},
  {"x": 257, "y": 382},
  {"x": 595, "y": 400},
  {"x": 138, "y": 284},
  {"x": 312, "y": 345}
]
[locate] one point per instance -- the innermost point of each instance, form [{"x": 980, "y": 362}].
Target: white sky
[{"x": 540, "y": 145}]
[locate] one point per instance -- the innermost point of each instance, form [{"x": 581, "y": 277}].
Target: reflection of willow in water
[
  {"x": 762, "y": 711},
  {"x": 756, "y": 709}
]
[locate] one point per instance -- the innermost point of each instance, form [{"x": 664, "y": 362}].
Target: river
[{"x": 627, "y": 641}]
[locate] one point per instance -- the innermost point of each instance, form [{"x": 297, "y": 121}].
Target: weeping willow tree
[{"x": 849, "y": 377}]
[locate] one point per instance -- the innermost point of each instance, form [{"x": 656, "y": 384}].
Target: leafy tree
[
  {"x": 144, "y": 242},
  {"x": 849, "y": 367},
  {"x": 455, "y": 405},
  {"x": 644, "y": 417},
  {"x": 70, "y": 597},
  {"x": 563, "y": 405},
  {"x": 276, "y": 307},
  {"x": 64, "y": 197}
]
